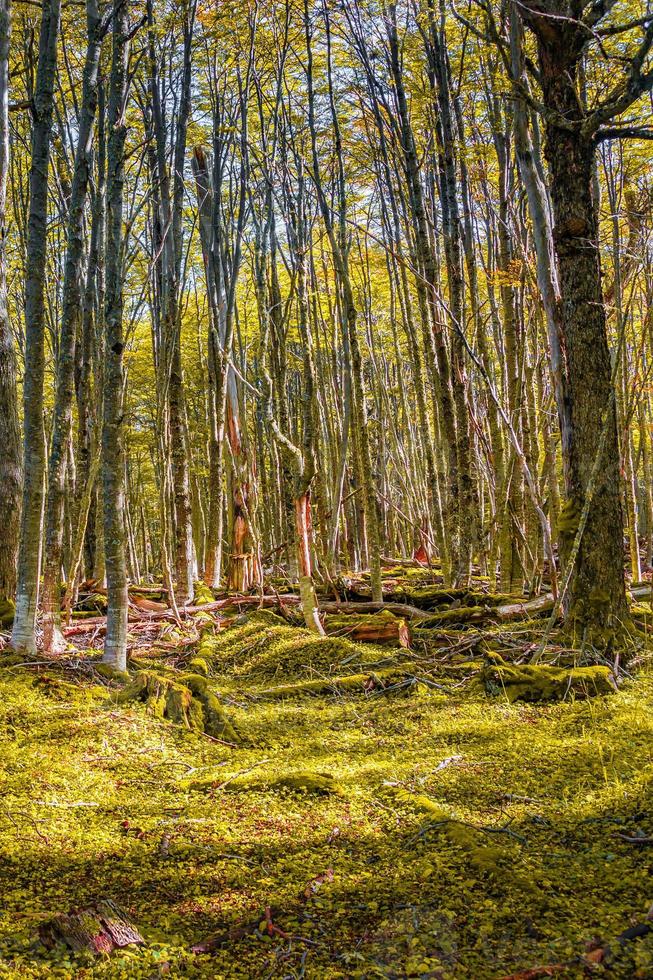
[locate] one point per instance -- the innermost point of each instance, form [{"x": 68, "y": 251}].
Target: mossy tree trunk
[
  {"x": 10, "y": 456},
  {"x": 29, "y": 553},
  {"x": 595, "y": 604},
  {"x": 70, "y": 326},
  {"x": 113, "y": 458}
]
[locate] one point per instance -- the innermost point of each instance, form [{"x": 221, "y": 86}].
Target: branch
[
  {"x": 626, "y": 92},
  {"x": 624, "y": 133}
]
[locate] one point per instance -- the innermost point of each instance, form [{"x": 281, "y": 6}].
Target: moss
[
  {"x": 489, "y": 861},
  {"x": 318, "y": 783},
  {"x": 188, "y": 702},
  {"x": 202, "y": 594},
  {"x": 95, "y": 802},
  {"x": 263, "y": 646},
  {"x": 569, "y": 518},
  {"x": 11, "y": 659},
  {"x": 7, "y": 610},
  {"x": 308, "y": 782},
  {"x": 463, "y": 614},
  {"x": 376, "y": 681},
  {"x": 199, "y": 665},
  {"x": 111, "y": 673},
  {"x": 215, "y": 721},
  {"x": 543, "y": 683}
]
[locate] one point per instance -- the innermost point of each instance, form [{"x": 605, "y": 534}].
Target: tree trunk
[
  {"x": 70, "y": 322},
  {"x": 113, "y": 459},
  {"x": 595, "y": 606},
  {"x": 29, "y": 554},
  {"x": 10, "y": 456}
]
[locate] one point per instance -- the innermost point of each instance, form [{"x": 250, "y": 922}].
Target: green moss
[
  {"x": 199, "y": 665},
  {"x": 264, "y": 646},
  {"x": 188, "y": 702},
  {"x": 202, "y": 594},
  {"x": 569, "y": 518},
  {"x": 318, "y": 783},
  {"x": 111, "y": 673},
  {"x": 463, "y": 614},
  {"x": 504, "y": 850},
  {"x": 542, "y": 683},
  {"x": 7, "y": 610},
  {"x": 376, "y": 681}
]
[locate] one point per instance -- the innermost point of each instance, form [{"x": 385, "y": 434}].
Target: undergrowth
[{"x": 416, "y": 832}]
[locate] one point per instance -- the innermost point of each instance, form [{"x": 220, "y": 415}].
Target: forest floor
[{"x": 412, "y": 827}]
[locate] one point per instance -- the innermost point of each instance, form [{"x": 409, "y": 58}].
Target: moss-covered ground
[{"x": 456, "y": 835}]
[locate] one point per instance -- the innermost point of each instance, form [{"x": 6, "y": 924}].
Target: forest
[{"x": 326, "y": 489}]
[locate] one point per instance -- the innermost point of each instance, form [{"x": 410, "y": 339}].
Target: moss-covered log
[
  {"x": 526, "y": 682},
  {"x": 372, "y": 681},
  {"x": 383, "y": 628},
  {"x": 318, "y": 783},
  {"x": 100, "y": 929}
]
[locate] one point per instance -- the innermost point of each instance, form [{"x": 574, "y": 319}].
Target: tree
[
  {"x": 29, "y": 553},
  {"x": 566, "y": 34},
  {"x": 10, "y": 458},
  {"x": 113, "y": 450},
  {"x": 71, "y": 315}
]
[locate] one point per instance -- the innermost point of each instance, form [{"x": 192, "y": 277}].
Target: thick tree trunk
[
  {"x": 595, "y": 606},
  {"x": 113, "y": 459},
  {"x": 10, "y": 455},
  {"x": 29, "y": 555}
]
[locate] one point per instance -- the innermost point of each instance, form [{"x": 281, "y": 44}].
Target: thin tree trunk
[
  {"x": 29, "y": 554},
  {"x": 10, "y": 454},
  {"x": 113, "y": 459},
  {"x": 53, "y": 640}
]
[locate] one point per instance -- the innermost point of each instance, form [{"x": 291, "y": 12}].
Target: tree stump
[{"x": 100, "y": 928}]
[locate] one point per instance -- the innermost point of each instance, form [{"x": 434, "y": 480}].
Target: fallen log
[
  {"x": 141, "y": 615},
  {"x": 371, "y": 682},
  {"x": 535, "y": 682},
  {"x": 100, "y": 929},
  {"x": 383, "y": 628},
  {"x": 525, "y": 610}
]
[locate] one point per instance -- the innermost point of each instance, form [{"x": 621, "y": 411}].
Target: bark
[
  {"x": 595, "y": 605},
  {"x": 100, "y": 929},
  {"x": 168, "y": 198},
  {"x": 70, "y": 326},
  {"x": 29, "y": 554},
  {"x": 10, "y": 457},
  {"x": 113, "y": 451}
]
